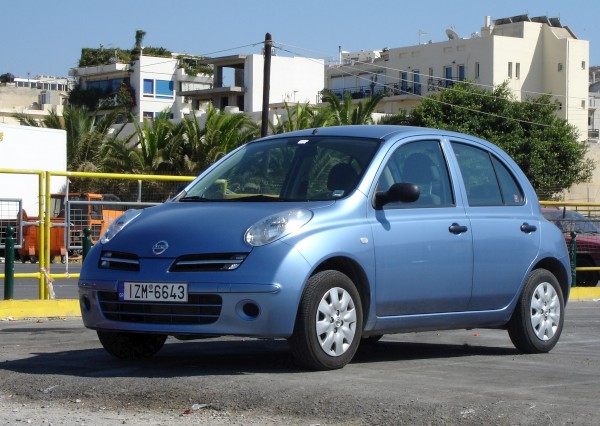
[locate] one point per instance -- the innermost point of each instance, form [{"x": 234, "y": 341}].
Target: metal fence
[
  {"x": 580, "y": 225},
  {"x": 87, "y": 200}
]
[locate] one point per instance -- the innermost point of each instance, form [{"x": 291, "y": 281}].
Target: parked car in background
[
  {"x": 331, "y": 235},
  {"x": 588, "y": 241}
]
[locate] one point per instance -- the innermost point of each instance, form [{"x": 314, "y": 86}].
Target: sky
[{"x": 45, "y": 38}]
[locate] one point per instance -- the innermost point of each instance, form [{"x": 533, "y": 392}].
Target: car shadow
[{"x": 225, "y": 357}]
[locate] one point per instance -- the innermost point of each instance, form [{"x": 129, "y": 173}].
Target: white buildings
[
  {"x": 535, "y": 55},
  {"x": 238, "y": 82},
  {"x": 32, "y": 96},
  {"x": 153, "y": 84}
]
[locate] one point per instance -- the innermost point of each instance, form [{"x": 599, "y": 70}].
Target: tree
[
  {"x": 345, "y": 112},
  {"x": 301, "y": 116},
  {"x": 223, "y": 132},
  {"x": 84, "y": 137},
  {"x": 543, "y": 145}
]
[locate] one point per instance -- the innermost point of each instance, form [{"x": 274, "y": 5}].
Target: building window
[
  {"x": 461, "y": 73},
  {"x": 159, "y": 89},
  {"x": 560, "y": 67},
  {"x": 148, "y": 88},
  {"x": 518, "y": 70},
  {"x": 582, "y": 104},
  {"x": 403, "y": 81},
  {"x": 148, "y": 115},
  {"x": 164, "y": 89},
  {"x": 582, "y": 65},
  {"x": 448, "y": 76},
  {"x": 510, "y": 70},
  {"x": 416, "y": 82},
  {"x": 477, "y": 70}
]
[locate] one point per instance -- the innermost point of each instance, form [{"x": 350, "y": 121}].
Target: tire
[
  {"x": 329, "y": 323},
  {"x": 586, "y": 278},
  {"x": 131, "y": 345},
  {"x": 537, "y": 322},
  {"x": 33, "y": 259}
]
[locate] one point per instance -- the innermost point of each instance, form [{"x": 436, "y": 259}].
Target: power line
[{"x": 443, "y": 102}]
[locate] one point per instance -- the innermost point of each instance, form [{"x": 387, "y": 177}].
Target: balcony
[{"x": 593, "y": 134}]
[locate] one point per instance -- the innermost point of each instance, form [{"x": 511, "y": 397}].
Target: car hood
[{"x": 196, "y": 228}]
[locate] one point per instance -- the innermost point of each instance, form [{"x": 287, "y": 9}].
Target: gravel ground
[{"x": 55, "y": 372}]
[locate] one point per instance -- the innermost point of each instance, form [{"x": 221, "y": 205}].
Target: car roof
[{"x": 371, "y": 131}]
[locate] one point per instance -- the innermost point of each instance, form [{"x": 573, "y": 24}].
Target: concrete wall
[
  {"x": 30, "y": 148},
  {"x": 293, "y": 79}
]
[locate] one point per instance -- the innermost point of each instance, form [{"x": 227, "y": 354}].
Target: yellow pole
[
  {"x": 41, "y": 237},
  {"x": 47, "y": 221}
]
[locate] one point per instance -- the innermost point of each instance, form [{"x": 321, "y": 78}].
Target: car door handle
[
  {"x": 455, "y": 228},
  {"x": 527, "y": 228}
]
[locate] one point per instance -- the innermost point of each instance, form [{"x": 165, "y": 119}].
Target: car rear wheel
[
  {"x": 131, "y": 345},
  {"x": 329, "y": 322},
  {"x": 537, "y": 321}
]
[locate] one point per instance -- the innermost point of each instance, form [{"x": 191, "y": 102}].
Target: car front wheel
[
  {"x": 131, "y": 345},
  {"x": 329, "y": 322},
  {"x": 537, "y": 321}
]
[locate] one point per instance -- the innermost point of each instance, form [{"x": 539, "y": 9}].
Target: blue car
[{"x": 332, "y": 236}]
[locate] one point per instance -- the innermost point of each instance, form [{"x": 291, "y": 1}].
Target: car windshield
[
  {"x": 571, "y": 221},
  {"x": 311, "y": 168}
]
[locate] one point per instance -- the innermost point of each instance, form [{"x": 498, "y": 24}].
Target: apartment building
[
  {"x": 534, "y": 55},
  {"x": 153, "y": 83},
  {"x": 239, "y": 81},
  {"x": 33, "y": 96}
]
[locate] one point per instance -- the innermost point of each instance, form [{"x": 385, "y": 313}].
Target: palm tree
[
  {"x": 199, "y": 147},
  {"x": 345, "y": 113},
  {"x": 84, "y": 136},
  {"x": 301, "y": 116}
]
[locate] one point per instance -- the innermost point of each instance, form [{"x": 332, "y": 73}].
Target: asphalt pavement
[{"x": 56, "y": 372}]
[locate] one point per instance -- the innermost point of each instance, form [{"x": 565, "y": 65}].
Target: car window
[
  {"x": 297, "y": 169},
  {"x": 487, "y": 181},
  {"x": 422, "y": 163}
]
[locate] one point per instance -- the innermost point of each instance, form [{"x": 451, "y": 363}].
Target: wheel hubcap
[
  {"x": 336, "y": 321},
  {"x": 545, "y": 311}
]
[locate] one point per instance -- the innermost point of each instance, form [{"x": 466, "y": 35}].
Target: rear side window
[{"x": 487, "y": 180}]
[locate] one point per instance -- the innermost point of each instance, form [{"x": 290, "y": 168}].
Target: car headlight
[
  {"x": 277, "y": 226},
  {"x": 118, "y": 224}
]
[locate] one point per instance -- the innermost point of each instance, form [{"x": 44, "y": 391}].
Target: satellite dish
[{"x": 451, "y": 34}]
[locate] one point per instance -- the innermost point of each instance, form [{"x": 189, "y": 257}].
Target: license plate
[{"x": 154, "y": 292}]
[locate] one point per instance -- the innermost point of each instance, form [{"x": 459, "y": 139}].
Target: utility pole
[{"x": 266, "y": 85}]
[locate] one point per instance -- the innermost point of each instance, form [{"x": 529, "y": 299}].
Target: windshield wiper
[
  {"x": 194, "y": 198},
  {"x": 254, "y": 198}
]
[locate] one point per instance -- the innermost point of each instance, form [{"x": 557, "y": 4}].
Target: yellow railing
[{"x": 44, "y": 276}]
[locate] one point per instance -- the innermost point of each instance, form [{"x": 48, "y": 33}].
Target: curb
[{"x": 21, "y": 309}]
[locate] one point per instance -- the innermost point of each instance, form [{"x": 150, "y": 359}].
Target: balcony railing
[
  {"x": 593, "y": 133},
  {"x": 395, "y": 89}
]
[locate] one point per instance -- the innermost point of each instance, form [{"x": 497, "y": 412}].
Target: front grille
[
  {"x": 199, "y": 309},
  {"x": 208, "y": 262},
  {"x": 120, "y": 261}
]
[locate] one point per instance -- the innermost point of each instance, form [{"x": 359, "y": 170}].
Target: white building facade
[
  {"x": 534, "y": 55},
  {"x": 154, "y": 82},
  {"x": 239, "y": 83}
]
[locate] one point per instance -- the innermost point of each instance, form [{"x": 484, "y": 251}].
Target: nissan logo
[{"x": 160, "y": 247}]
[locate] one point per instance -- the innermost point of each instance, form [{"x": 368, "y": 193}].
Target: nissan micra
[{"x": 330, "y": 236}]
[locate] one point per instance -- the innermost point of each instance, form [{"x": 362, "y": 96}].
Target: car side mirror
[{"x": 403, "y": 192}]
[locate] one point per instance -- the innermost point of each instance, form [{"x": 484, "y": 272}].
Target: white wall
[
  {"x": 30, "y": 148},
  {"x": 293, "y": 79}
]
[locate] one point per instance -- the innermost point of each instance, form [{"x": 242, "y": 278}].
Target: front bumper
[{"x": 258, "y": 299}]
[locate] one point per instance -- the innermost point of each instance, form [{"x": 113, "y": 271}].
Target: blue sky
[{"x": 42, "y": 37}]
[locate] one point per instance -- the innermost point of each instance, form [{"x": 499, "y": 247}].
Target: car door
[
  {"x": 506, "y": 236},
  {"x": 423, "y": 250}
]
